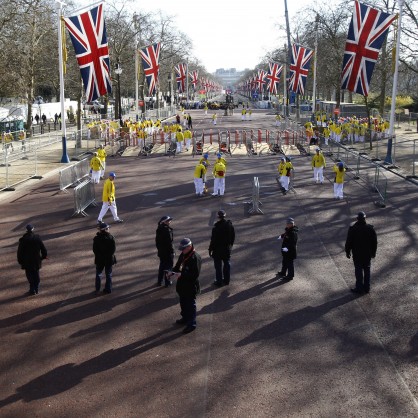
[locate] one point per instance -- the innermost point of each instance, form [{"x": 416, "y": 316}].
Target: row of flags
[
  {"x": 367, "y": 32},
  {"x": 88, "y": 35}
]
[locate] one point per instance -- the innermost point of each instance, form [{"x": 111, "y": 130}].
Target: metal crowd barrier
[
  {"x": 84, "y": 196},
  {"x": 69, "y": 176},
  {"x": 255, "y": 199}
]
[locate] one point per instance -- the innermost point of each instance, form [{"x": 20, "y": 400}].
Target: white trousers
[
  {"x": 188, "y": 142},
  {"x": 104, "y": 168},
  {"x": 198, "y": 184},
  {"x": 95, "y": 176},
  {"x": 284, "y": 181},
  {"x": 105, "y": 208},
  {"x": 318, "y": 174},
  {"x": 179, "y": 147},
  {"x": 338, "y": 190},
  {"x": 219, "y": 185}
]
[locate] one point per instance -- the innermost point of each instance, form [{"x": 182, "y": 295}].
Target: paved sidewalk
[{"x": 263, "y": 348}]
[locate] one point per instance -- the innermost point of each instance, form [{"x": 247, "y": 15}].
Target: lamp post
[{"x": 118, "y": 72}]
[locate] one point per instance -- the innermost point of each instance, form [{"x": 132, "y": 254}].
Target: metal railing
[
  {"x": 84, "y": 196},
  {"x": 69, "y": 176},
  {"x": 255, "y": 199}
]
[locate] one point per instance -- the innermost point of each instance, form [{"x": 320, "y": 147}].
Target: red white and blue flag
[
  {"x": 194, "y": 78},
  {"x": 299, "y": 68},
  {"x": 88, "y": 35},
  {"x": 366, "y": 34},
  {"x": 260, "y": 80},
  {"x": 181, "y": 77},
  {"x": 150, "y": 62},
  {"x": 273, "y": 77}
]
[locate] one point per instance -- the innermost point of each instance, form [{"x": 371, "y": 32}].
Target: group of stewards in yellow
[{"x": 218, "y": 172}]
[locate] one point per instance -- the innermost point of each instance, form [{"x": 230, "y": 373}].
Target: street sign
[
  {"x": 337, "y": 111},
  {"x": 140, "y": 103}
]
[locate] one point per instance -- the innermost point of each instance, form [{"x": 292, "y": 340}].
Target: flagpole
[
  {"x": 187, "y": 83},
  {"x": 64, "y": 158},
  {"x": 388, "y": 158},
  {"x": 288, "y": 55},
  {"x": 315, "y": 62},
  {"x": 136, "y": 68}
]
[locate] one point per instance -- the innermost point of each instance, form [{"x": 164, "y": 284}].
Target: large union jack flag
[
  {"x": 150, "y": 57},
  {"x": 194, "y": 78},
  {"x": 273, "y": 77},
  {"x": 366, "y": 34},
  {"x": 88, "y": 35},
  {"x": 181, "y": 77},
  {"x": 299, "y": 68},
  {"x": 260, "y": 80}
]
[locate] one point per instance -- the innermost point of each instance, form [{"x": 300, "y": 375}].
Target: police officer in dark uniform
[
  {"x": 104, "y": 247},
  {"x": 289, "y": 250},
  {"x": 362, "y": 242},
  {"x": 30, "y": 253},
  {"x": 164, "y": 244},
  {"x": 220, "y": 247},
  {"x": 187, "y": 271}
]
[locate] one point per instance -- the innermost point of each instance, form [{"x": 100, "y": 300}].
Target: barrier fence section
[
  {"x": 74, "y": 173},
  {"x": 255, "y": 199},
  {"x": 84, "y": 196},
  {"x": 363, "y": 168}
]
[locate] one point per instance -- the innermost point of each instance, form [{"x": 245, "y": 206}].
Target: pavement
[{"x": 263, "y": 347}]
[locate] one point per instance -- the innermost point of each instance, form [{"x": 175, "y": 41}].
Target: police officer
[
  {"x": 220, "y": 247},
  {"x": 289, "y": 249},
  {"x": 187, "y": 271},
  {"x": 104, "y": 248},
  {"x": 164, "y": 244},
  {"x": 362, "y": 243},
  {"x": 30, "y": 253}
]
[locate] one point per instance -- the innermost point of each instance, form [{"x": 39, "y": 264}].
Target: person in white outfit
[{"x": 318, "y": 165}]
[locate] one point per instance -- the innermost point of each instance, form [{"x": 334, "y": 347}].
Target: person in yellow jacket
[
  {"x": 22, "y": 139},
  {"x": 219, "y": 171},
  {"x": 102, "y": 154},
  {"x": 243, "y": 113},
  {"x": 339, "y": 171},
  {"x": 199, "y": 175},
  {"x": 187, "y": 138},
  {"x": 109, "y": 199},
  {"x": 179, "y": 140},
  {"x": 96, "y": 168},
  {"x": 8, "y": 141},
  {"x": 214, "y": 117},
  {"x": 285, "y": 169},
  {"x": 318, "y": 165}
]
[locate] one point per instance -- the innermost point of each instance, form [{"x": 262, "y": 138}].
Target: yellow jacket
[
  {"x": 109, "y": 191},
  {"x": 199, "y": 171},
  {"x": 284, "y": 168},
  {"x": 339, "y": 175},
  {"x": 101, "y": 153},
  {"x": 219, "y": 170},
  {"x": 179, "y": 137},
  {"x": 187, "y": 134},
  {"x": 96, "y": 164},
  {"x": 318, "y": 160}
]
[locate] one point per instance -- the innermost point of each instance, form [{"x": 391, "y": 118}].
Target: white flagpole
[
  {"x": 136, "y": 68},
  {"x": 64, "y": 158},
  {"x": 388, "y": 159},
  {"x": 187, "y": 83},
  {"x": 315, "y": 62}
]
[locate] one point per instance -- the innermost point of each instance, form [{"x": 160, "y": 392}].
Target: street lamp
[{"x": 118, "y": 72}]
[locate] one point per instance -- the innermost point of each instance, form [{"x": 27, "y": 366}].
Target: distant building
[{"x": 229, "y": 77}]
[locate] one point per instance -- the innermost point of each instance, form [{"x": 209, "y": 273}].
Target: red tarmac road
[{"x": 263, "y": 348}]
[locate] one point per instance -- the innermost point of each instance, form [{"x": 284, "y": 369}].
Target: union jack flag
[
  {"x": 194, "y": 78},
  {"x": 88, "y": 35},
  {"x": 150, "y": 57},
  {"x": 181, "y": 77},
  {"x": 260, "y": 80},
  {"x": 273, "y": 77},
  {"x": 366, "y": 34},
  {"x": 299, "y": 68}
]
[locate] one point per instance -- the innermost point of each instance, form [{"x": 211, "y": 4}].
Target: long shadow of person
[
  {"x": 226, "y": 301},
  {"x": 293, "y": 321},
  {"x": 67, "y": 376}
]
